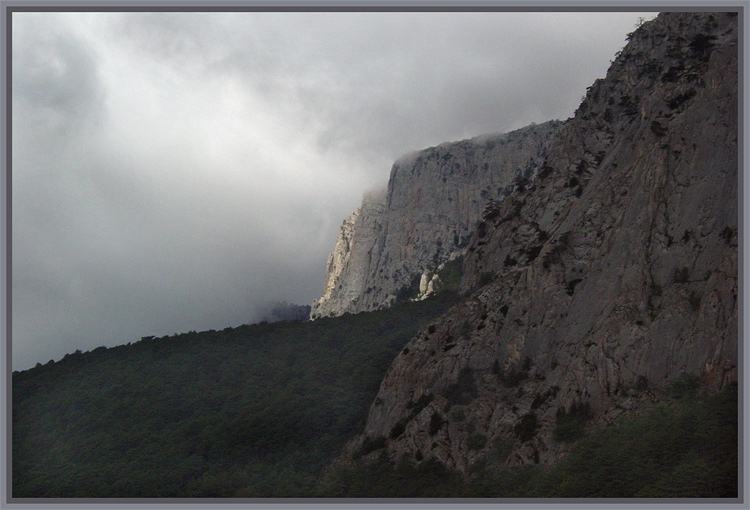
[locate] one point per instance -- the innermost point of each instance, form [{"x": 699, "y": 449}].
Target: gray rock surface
[
  {"x": 603, "y": 282},
  {"x": 432, "y": 204}
]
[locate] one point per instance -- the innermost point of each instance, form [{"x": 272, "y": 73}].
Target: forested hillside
[{"x": 253, "y": 411}]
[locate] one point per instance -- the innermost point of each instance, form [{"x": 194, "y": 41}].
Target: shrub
[
  {"x": 398, "y": 429},
  {"x": 727, "y": 234},
  {"x": 641, "y": 383},
  {"x": 436, "y": 423},
  {"x": 570, "y": 425},
  {"x": 541, "y": 398},
  {"x": 532, "y": 252},
  {"x": 486, "y": 277},
  {"x": 451, "y": 274},
  {"x": 629, "y": 106},
  {"x": 650, "y": 69},
  {"x": 369, "y": 445},
  {"x": 545, "y": 171},
  {"x": 553, "y": 255},
  {"x": 681, "y": 275},
  {"x": 409, "y": 292},
  {"x": 458, "y": 414},
  {"x": 496, "y": 367},
  {"x": 571, "y": 286},
  {"x": 513, "y": 377},
  {"x": 422, "y": 402},
  {"x": 538, "y": 401},
  {"x": 464, "y": 390},
  {"x": 673, "y": 73},
  {"x": 658, "y": 129},
  {"x": 481, "y": 229},
  {"x": 656, "y": 290},
  {"x": 680, "y": 99},
  {"x": 684, "y": 386},
  {"x": 525, "y": 428},
  {"x": 694, "y": 299},
  {"x": 491, "y": 210},
  {"x": 476, "y": 441},
  {"x": 702, "y": 44}
]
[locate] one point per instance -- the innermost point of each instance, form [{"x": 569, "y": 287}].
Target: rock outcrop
[
  {"x": 398, "y": 238},
  {"x": 609, "y": 278}
]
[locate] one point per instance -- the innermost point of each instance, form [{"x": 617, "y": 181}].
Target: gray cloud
[
  {"x": 174, "y": 171},
  {"x": 54, "y": 81}
]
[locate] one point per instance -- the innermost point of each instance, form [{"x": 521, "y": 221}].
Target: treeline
[{"x": 252, "y": 411}]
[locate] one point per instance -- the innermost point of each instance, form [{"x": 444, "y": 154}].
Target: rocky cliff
[
  {"x": 609, "y": 278},
  {"x": 398, "y": 238}
]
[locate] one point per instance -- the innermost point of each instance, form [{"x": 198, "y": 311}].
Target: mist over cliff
[{"x": 393, "y": 245}]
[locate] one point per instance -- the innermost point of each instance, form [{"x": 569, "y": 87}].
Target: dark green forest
[
  {"x": 253, "y": 411},
  {"x": 261, "y": 411}
]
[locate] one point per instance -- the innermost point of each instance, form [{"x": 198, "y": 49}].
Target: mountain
[
  {"x": 591, "y": 349},
  {"x": 592, "y": 292},
  {"x": 394, "y": 244}
]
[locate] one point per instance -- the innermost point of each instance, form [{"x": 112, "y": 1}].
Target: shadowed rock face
[
  {"x": 614, "y": 272},
  {"x": 432, "y": 204}
]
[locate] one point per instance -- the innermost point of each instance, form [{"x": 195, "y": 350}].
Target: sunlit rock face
[
  {"x": 432, "y": 204},
  {"x": 609, "y": 277}
]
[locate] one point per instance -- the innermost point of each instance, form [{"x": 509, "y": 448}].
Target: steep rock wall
[
  {"x": 610, "y": 277},
  {"x": 433, "y": 201}
]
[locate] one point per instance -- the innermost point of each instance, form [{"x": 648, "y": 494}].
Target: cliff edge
[{"x": 399, "y": 237}]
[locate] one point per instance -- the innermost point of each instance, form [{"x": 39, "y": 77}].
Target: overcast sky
[{"x": 174, "y": 171}]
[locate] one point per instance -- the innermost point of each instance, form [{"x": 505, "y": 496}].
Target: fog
[{"x": 177, "y": 171}]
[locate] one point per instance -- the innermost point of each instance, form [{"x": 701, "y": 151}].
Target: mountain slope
[
  {"x": 252, "y": 411},
  {"x": 613, "y": 276}
]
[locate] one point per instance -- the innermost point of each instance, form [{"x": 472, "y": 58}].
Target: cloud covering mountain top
[{"x": 171, "y": 171}]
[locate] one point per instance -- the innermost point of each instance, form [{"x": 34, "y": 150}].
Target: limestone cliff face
[
  {"x": 349, "y": 264},
  {"x": 601, "y": 283},
  {"x": 432, "y": 204}
]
